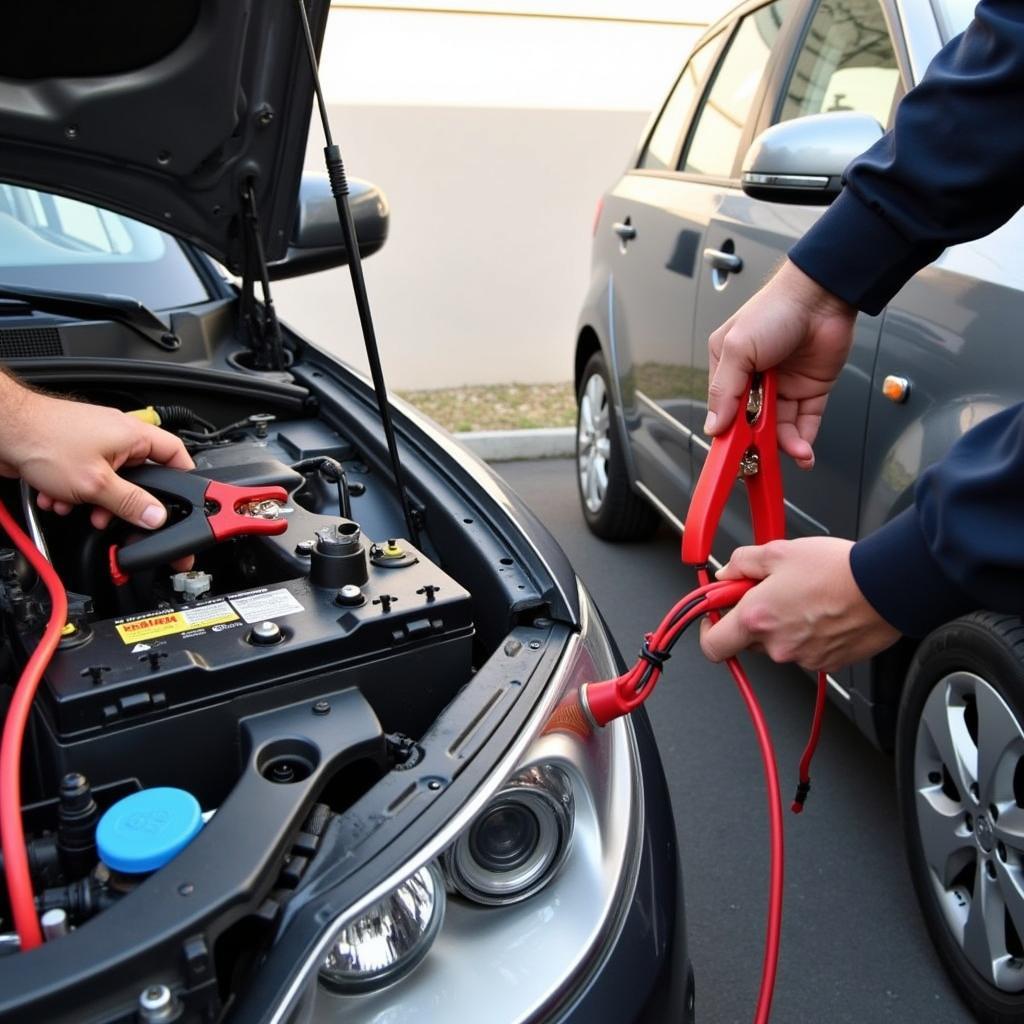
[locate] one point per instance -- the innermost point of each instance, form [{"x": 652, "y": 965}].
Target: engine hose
[
  {"x": 180, "y": 417},
  {"x": 80, "y": 900},
  {"x": 16, "y": 867},
  {"x": 333, "y": 472}
]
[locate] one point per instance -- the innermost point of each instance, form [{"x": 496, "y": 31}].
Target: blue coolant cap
[{"x": 142, "y": 832}]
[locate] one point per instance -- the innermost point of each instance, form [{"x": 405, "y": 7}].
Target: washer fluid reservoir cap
[{"x": 142, "y": 832}]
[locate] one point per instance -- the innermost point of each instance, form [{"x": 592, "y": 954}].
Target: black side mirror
[
  {"x": 802, "y": 161},
  {"x": 316, "y": 241}
]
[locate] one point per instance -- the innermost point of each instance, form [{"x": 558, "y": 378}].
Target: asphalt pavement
[{"x": 854, "y": 947}]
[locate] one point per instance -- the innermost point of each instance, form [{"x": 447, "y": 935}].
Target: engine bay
[
  {"x": 165, "y": 649},
  {"x": 329, "y": 647}
]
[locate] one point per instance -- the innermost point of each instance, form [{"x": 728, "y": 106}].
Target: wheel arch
[
  {"x": 624, "y": 514},
  {"x": 985, "y": 649},
  {"x": 587, "y": 343},
  {"x": 888, "y": 490}
]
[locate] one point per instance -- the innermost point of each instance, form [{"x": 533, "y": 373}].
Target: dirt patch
[{"x": 498, "y": 406}]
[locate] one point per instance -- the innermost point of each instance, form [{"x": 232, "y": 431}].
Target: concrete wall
[{"x": 493, "y": 137}]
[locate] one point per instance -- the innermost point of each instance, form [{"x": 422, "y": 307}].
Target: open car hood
[{"x": 164, "y": 111}]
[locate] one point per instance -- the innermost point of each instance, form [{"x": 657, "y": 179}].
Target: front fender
[
  {"x": 946, "y": 332},
  {"x": 921, "y": 442}
]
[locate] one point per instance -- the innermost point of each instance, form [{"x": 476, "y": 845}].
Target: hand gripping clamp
[
  {"x": 748, "y": 449},
  {"x": 216, "y": 511}
]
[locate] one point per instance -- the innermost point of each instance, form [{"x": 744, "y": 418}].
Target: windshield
[
  {"x": 58, "y": 244},
  {"x": 953, "y": 16}
]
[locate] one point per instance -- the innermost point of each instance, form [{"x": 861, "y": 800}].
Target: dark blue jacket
[{"x": 952, "y": 169}]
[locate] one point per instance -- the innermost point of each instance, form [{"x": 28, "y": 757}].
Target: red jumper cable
[
  {"x": 216, "y": 511},
  {"x": 748, "y": 449},
  {"x": 19, "y": 881}
]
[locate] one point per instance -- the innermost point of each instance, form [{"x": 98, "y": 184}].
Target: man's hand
[
  {"x": 807, "y": 607},
  {"x": 793, "y": 324},
  {"x": 69, "y": 452}
]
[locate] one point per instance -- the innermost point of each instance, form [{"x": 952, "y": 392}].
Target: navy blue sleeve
[
  {"x": 949, "y": 171},
  {"x": 961, "y": 547}
]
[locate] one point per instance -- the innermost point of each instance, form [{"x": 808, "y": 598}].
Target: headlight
[
  {"x": 391, "y": 938},
  {"x": 539, "y": 869},
  {"x": 519, "y": 841}
]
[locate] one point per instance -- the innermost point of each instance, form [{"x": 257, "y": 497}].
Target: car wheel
[
  {"x": 610, "y": 506},
  {"x": 960, "y": 771}
]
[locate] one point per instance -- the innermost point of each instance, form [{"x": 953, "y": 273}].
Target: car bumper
[{"x": 644, "y": 975}]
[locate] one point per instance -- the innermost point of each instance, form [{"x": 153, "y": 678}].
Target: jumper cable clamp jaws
[
  {"x": 747, "y": 450},
  {"x": 215, "y": 512}
]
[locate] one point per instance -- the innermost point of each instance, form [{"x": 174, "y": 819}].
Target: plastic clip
[
  {"x": 802, "y": 790},
  {"x": 656, "y": 659}
]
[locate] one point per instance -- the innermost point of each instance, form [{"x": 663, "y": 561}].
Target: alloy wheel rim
[
  {"x": 969, "y": 798},
  {"x": 593, "y": 443}
]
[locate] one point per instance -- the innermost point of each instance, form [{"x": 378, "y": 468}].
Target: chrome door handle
[
  {"x": 625, "y": 231},
  {"x": 727, "y": 262}
]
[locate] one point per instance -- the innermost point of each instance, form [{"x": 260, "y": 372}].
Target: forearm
[
  {"x": 961, "y": 546},
  {"x": 15, "y": 398},
  {"x": 12, "y": 391},
  {"x": 949, "y": 171}
]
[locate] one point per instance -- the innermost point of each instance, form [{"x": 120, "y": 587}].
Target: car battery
[{"x": 404, "y": 638}]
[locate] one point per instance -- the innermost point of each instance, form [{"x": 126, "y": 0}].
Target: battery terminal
[{"x": 266, "y": 509}]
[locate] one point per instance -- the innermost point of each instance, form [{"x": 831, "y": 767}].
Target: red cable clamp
[{"x": 748, "y": 449}]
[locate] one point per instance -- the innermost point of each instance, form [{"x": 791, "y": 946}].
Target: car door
[
  {"x": 845, "y": 59},
  {"x": 656, "y": 225},
  {"x": 661, "y": 216}
]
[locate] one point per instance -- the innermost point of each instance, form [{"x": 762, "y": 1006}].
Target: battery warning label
[
  {"x": 158, "y": 624},
  {"x": 257, "y": 605}
]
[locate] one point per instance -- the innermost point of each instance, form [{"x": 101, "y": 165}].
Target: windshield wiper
[{"x": 121, "y": 309}]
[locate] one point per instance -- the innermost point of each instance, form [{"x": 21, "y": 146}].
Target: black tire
[
  {"x": 970, "y": 674},
  {"x": 621, "y": 514}
]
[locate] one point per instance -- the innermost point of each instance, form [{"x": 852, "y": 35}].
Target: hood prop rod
[
  {"x": 339, "y": 189},
  {"x": 265, "y": 332}
]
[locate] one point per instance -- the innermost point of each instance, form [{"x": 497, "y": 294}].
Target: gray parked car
[{"x": 749, "y": 146}]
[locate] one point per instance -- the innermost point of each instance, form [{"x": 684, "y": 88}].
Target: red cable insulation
[
  {"x": 19, "y": 881},
  {"x": 776, "y": 831},
  {"x": 632, "y": 688},
  {"x": 776, "y": 864},
  {"x": 812, "y": 743}
]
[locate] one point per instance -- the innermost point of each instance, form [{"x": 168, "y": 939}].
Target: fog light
[
  {"x": 518, "y": 842},
  {"x": 391, "y": 938}
]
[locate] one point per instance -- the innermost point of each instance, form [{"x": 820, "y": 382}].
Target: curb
[{"x": 508, "y": 445}]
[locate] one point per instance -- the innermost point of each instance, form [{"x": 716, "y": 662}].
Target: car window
[
  {"x": 953, "y": 16},
  {"x": 727, "y": 105},
  {"x": 846, "y": 62},
  {"x": 60, "y": 244},
  {"x": 661, "y": 149}
]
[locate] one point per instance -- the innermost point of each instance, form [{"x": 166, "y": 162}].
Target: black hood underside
[{"x": 166, "y": 111}]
